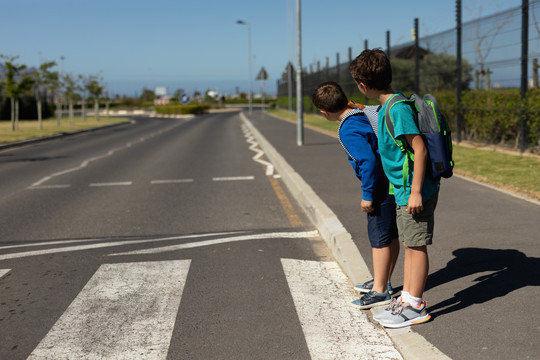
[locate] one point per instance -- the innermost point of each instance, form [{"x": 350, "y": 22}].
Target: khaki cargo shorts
[{"x": 417, "y": 230}]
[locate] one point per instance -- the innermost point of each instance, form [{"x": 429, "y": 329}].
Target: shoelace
[
  {"x": 393, "y": 304},
  {"x": 398, "y": 308}
]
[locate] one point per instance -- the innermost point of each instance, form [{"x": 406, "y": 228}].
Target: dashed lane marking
[
  {"x": 172, "y": 181},
  {"x": 59, "y": 186},
  {"x": 118, "y": 183},
  {"x": 233, "y": 178}
]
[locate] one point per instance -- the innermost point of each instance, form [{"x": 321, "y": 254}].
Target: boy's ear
[{"x": 361, "y": 86}]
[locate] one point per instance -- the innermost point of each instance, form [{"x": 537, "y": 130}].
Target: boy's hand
[
  {"x": 415, "y": 204},
  {"x": 367, "y": 206}
]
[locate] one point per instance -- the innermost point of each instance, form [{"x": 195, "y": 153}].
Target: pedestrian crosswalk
[{"x": 128, "y": 311}]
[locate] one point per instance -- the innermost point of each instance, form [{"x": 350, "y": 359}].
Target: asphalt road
[{"x": 166, "y": 238}]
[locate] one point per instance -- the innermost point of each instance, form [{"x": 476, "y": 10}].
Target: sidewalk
[{"x": 484, "y": 263}]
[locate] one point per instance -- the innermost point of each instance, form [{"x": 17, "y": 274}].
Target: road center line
[
  {"x": 118, "y": 183},
  {"x": 233, "y": 178},
  {"x": 172, "y": 181},
  {"x": 49, "y": 187},
  {"x": 125, "y": 311}
]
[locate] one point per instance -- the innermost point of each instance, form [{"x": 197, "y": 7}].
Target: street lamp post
[{"x": 249, "y": 62}]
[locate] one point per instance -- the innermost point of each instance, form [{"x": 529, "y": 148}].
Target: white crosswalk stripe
[
  {"x": 126, "y": 311},
  {"x": 332, "y": 328}
]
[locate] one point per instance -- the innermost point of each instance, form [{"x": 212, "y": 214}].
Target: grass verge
[
  {"x": 29, "y": 129},
  {"x": 514, "y": 173}
]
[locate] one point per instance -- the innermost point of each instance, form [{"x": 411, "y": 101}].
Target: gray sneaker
[
  {"x": 368, "y": 286},
  {"x": 394, "y": 303},
  {"x": 371, "y": 299},
  {"x": 405, "y": 314}
]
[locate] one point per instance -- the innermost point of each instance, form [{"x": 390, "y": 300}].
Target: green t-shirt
[{"x": 393, "y": 158}]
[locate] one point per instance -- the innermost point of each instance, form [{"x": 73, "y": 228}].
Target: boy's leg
[
  {"x": 384, "y": 262},
  {"x": 394, "y": 254},
  {"x": 418, "y": 270},
  {"x": 382, "y": 259}
]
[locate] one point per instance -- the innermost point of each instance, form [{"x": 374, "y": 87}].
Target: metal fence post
[{"x": 524, "y": 68}]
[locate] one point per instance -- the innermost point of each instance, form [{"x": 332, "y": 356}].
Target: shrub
[{"x": 182, "y": 109}]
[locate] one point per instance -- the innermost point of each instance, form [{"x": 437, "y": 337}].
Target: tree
[
  {"x": 483, "y": 39},
  {"x": 70, "y": 91},
  {"x": 16, "y": 83},
  {"x": 95, "y": 88},
  {"x": 439, "y": 72},
  {"x": 178, "y": 93},
  {"x": 147, "y": 95},
  {"x": 43, "y": 78}
]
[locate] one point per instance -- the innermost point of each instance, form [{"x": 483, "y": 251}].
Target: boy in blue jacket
[{"x": 357, "y": 135}]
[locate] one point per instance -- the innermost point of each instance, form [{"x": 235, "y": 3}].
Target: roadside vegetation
[
  {"x": 29, "y": 129},
  {"x": 488, "y": 164}
]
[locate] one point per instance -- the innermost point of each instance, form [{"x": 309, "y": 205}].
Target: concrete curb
[{"x": 411, "y": 345}]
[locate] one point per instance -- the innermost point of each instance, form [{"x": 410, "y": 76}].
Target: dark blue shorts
[{"x": 382, "y": 226}]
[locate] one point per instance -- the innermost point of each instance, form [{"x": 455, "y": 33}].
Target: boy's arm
[
  {"x": 359, "y": 140},
  {"x": 420, "y": 158}
]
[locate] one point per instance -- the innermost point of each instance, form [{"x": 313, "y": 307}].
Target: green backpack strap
[{"x": 403, "y": 146}]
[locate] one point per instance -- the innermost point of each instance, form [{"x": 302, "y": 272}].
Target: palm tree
[{"x": 42, "y": 80}]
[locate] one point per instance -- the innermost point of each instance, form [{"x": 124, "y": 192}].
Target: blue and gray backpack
[{"x": 434, "y": 130}]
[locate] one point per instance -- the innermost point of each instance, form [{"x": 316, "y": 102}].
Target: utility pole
[
  {"x": 299, "y": 96},
  {"x": 458, "y": 70}
]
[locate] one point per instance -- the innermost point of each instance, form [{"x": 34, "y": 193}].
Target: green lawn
[
  {"x": 515, "y": 173},
  {"x": 29, "y": 129}
]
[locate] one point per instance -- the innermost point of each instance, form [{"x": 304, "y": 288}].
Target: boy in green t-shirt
[{"x": 416, "y": 201}]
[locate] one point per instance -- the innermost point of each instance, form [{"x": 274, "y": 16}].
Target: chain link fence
[{"x": 488, "y": 106}]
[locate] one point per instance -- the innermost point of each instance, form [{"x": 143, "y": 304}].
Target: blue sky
[{"x": 197, "y": 44}]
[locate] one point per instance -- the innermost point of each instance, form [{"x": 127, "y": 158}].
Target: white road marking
[
  {"x": 233, "y": 178},
  {"x": 49, "y": 187},
  {"x": 259, "y": 153},
  {"x": 47, "y": 243},
  {"x": 99, "y": 245},
  {"x": 172, "y": 181},
  {"x": 118, "y": 183},
  {"x": 109, "y": 153},
  {"x": 333, "y": 329},
  {"x": 125, "y": 311},
  {"x": 4, "y": 272},
  {"x": 277, "y": 235}
]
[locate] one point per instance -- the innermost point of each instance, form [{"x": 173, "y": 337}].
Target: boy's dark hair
[
  {"x": 329, "y": 96},
  {"x": 372, "y": 67}
]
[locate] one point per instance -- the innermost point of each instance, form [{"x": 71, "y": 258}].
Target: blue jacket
[{"x": 360, "y": 143}]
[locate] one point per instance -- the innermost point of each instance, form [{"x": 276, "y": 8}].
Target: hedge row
[
  {"x": 182, "y": 109},
  {"x": 487, "y": 116}
]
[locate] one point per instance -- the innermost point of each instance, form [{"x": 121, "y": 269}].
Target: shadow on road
[{"x": 511, "y": 270}]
